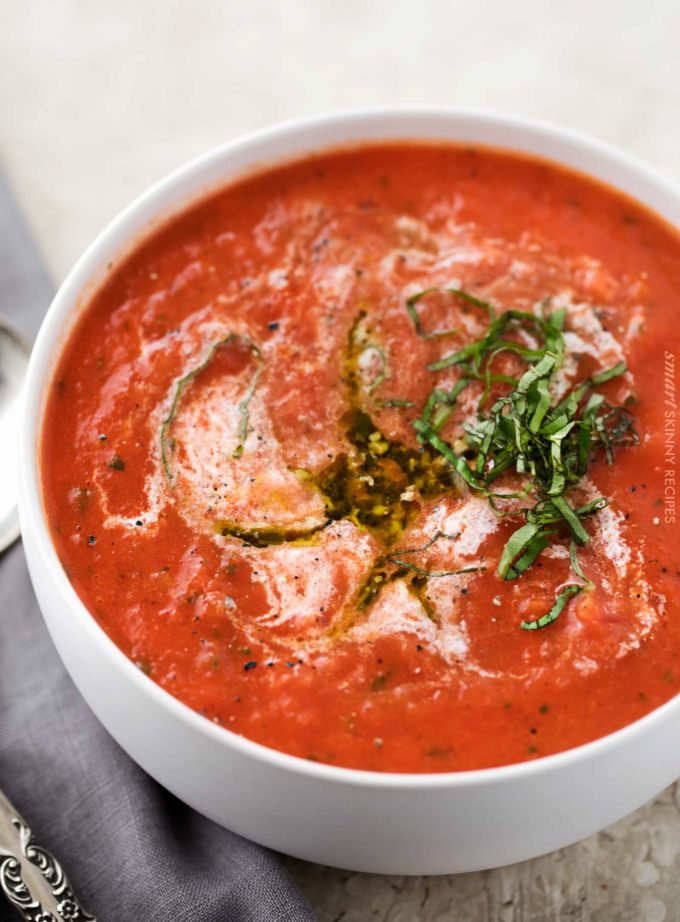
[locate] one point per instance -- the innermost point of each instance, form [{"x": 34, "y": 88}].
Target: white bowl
[{"x": 365, "y": 821}]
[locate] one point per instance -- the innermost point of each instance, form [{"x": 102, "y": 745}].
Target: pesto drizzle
[{"x": 525, "y": 430}]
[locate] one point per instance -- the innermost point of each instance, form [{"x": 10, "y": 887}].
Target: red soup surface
[{"x": 279, "y": 481}]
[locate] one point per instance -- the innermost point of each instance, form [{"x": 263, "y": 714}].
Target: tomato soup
[{"x": 363, "y": 458}]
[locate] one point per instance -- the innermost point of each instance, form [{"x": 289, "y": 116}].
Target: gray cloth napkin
[{"x": 133, "y": 852}]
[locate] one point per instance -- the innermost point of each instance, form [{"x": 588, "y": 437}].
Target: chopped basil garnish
[
  {"x": 232, "y": 340},
  {"x": 560, "y": 602},
  {"x": 415, "y": 317},
  {"x": 527, "y": 431},
  {"x": 430, "y": 574}
]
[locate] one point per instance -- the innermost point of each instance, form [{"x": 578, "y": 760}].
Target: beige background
[{"x": 98, "y": 99}]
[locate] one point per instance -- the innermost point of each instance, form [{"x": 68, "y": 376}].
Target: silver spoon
[
  {"x": 14, "y": 352},
  {"x": 30, "y": 877}
]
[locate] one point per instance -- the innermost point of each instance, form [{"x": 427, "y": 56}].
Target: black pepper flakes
[{"x": 251, "y": 664}]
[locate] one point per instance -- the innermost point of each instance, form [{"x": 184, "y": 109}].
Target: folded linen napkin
[{"x": 132, "y": 851}]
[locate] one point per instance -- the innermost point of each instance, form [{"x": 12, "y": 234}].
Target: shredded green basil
[
  {"x": 167, "y": 442},
  {"x": 560, "y": 603},
  {"x": 382, "y": 374},
  {"x": 528, "y": 431},
  {"x": 430, "y": 574},
  {"x": 415, "y": 317}
]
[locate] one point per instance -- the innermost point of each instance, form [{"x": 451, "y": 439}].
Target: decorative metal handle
[{"x": 30, "y": 877}]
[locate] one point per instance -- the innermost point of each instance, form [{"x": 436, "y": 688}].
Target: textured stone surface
[
  {"x": 98, "y": 99},
  {"x": 627, "y": 873}
]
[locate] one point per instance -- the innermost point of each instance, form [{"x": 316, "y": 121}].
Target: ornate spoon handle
[{"x": 30, "y": 877}]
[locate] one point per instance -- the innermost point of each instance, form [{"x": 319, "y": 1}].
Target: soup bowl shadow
[{"x": 364, "y": 821}]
